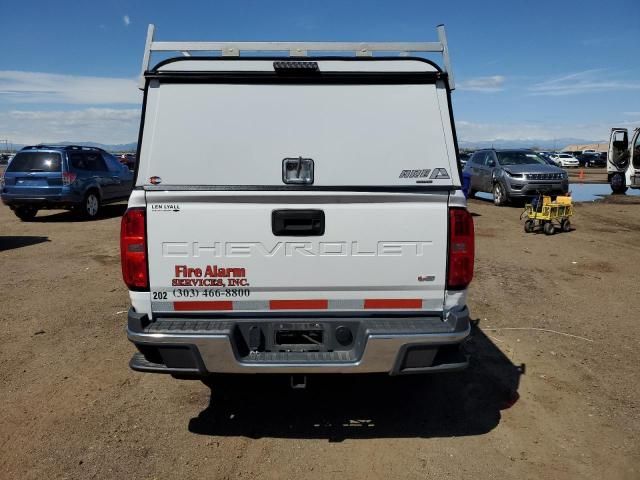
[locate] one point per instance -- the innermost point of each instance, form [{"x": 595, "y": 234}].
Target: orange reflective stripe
[{"x": 393, "y": 303}]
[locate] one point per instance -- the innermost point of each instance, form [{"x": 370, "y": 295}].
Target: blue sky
[{"x": 536, "y": 69}]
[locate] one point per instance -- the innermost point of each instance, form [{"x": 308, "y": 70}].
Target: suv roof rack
[
  {"x": 40, "y": 145},
  {"x": 61, "y": 147},
  {"x": 299, "y": 49},
  {"x": 82, "y": 147}
]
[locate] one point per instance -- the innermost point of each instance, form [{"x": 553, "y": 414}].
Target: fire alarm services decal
[{"x": 212, "y": 276}]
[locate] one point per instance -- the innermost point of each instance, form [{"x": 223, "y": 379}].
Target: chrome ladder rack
[{"x": 299, "y": 49}]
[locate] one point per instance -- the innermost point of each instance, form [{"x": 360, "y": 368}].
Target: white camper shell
[{"x": 297, "y": 214}]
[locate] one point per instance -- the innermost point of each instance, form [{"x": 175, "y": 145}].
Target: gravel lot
[{"x": 552, "y": 393}]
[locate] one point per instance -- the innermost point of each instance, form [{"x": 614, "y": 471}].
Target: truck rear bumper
[{"x": 396, "y": 345}]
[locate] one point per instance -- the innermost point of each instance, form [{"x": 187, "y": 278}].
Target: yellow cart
[{"x": 548, "y": 215}]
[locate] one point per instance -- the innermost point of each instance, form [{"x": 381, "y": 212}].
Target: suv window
[
  {"x": 35, "y": 162},
  {"x": 95, "y": 162},
  {"x": 476, "y": 158},
  {"x": 112, "y": 163},
  {"x": 488, "y": 156},
  {"x": 519, "y": 158},
  {"x": 91, "y": 161},
  {"x": 76, "y": 159}
]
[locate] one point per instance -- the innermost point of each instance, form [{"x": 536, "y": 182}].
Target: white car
[
  {"x": 565, "y": 160},
  {"x": 300, "y": 233}
]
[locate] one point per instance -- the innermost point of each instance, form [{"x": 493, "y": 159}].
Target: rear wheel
[
  {"x": 549, "y": 229},
  {"x": 90, "y": 205},
  {"x": 499, "y": 194},
  {"x": 565, "y": 225},
  {"x": 472, "y": 193},
  {"x": 617, "y": 183},
  {"x": 26, "y": 213}
]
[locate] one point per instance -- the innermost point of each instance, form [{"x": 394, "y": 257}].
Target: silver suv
[{"x": 510, "y": 174}]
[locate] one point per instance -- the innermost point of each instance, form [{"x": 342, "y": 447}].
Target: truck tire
[
  {"x": 617, "y": 183},
  {"x": 26, "y": 213}
]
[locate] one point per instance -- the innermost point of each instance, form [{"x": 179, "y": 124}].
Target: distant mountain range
[{"x": 543, "y": 144}]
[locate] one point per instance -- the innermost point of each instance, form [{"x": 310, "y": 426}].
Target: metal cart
[{"x": 548, "y": 215}]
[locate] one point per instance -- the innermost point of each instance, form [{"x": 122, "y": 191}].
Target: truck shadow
[
  {"x": 367, "y": 406},
  {"x": 106, "y": 212},
  {"x": 11, "y": 242}
]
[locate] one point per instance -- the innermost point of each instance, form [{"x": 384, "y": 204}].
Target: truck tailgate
[{"x": 217, "y": 251}]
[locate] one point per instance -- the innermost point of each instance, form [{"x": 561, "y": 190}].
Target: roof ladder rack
[{"x": 299, "y": 49}]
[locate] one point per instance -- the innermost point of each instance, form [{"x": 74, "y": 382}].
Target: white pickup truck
[{"x": 297, "y": 214}]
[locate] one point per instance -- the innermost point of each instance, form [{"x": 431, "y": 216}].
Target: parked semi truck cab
[{"x": 297, "y": 214}]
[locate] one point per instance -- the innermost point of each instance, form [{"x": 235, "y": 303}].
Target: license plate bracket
[{"x": 299, "y": 337}]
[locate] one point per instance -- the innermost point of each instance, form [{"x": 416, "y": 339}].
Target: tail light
[
  {"x": 461, "y": 249},
  {"x": 68, "y": 178},
  {"x": 133, "y": 249}
]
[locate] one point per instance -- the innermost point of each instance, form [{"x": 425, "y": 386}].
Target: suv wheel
[
  {"x": 90, "y": 205},
  {"x": 617, "y": 183},
  {"x": 26, "y": 213},
  {"x": 499, "y": 194}
]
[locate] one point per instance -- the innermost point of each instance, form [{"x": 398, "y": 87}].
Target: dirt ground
[{"x": 552, "y": 392}]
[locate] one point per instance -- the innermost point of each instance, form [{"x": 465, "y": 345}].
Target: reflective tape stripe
[
  {"x": 311, "y": 304},
  {"x": 346, "y": 304},
  {"x": 298, "y": 304},
  {"x": 199, "y": 305},
  {"x": 251, "y": 305},
  {"x": 372, "y": 303}
]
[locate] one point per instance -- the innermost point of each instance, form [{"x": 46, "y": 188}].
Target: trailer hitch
[{"x": 298, "y": 382}]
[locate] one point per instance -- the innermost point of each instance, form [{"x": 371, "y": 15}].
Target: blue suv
[{"x": 74, "y": 177}]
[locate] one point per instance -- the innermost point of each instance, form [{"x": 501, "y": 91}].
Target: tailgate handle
[{"x": 297, "y": 222}]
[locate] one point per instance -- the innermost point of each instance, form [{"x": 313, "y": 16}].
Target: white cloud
[
  {"x": 583, "y": 82},
  {"x": 37, "y": 87},
  {"x": 104, "y": 125},
  {"x": 493, "y": 83},
  {"x": 126, "y": 20}
]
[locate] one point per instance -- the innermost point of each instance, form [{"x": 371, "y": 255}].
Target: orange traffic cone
[{"x": 581, "y": 174}]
